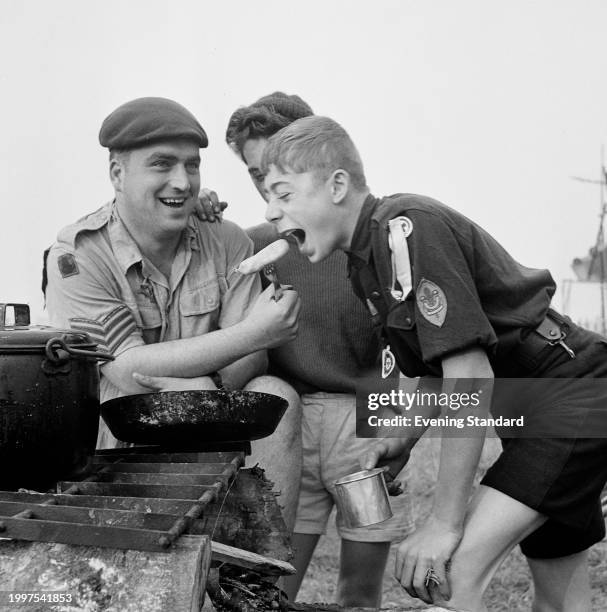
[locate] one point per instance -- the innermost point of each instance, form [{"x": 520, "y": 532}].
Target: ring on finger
[{"x": 431, "y": 578}]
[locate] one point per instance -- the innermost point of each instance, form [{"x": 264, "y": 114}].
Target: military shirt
[
  {"x": 466, "y": 290},
  {"x": 100, "y": 283}
]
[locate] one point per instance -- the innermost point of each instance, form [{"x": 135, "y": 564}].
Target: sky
[{"x": 490, "y": 107}]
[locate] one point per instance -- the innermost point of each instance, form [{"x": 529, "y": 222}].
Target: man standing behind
[
  {"x": 157, "y": 288},
  {"x": 335, "y": 346}
]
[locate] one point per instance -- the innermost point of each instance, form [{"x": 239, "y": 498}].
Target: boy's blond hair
[{"x": 316, "y": 144}]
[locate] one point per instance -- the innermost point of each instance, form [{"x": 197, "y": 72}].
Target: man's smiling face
[
  {"x": 157, "y": 186},
  {"x": 301, "y": 205}
]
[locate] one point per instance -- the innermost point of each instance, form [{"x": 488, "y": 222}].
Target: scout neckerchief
[{"x": 399, "y": 230}]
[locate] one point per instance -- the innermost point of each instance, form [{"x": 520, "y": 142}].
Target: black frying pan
[{"x": 190, "y": 417}]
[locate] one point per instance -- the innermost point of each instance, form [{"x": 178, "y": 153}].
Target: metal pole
[{"x": 602, "y": 241}]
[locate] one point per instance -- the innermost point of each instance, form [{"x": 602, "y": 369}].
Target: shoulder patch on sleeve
[
  {"x": 67, "y": 265},
  {"x": 432, "y": 302}
]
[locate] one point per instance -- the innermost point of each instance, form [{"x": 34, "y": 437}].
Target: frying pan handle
[{"x": 22, "y": 314}]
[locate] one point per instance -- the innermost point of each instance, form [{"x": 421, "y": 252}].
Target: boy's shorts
[
  {"x": 331, "y": 450},
  {"x": 561, "y": 478}
]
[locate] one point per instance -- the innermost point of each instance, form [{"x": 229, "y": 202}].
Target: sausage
[{"x": 273, "y": 252}]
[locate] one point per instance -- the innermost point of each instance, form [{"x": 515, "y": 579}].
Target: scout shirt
[
  {"x": 466, "y": 290},
  {"x": 101, "y": 284}
]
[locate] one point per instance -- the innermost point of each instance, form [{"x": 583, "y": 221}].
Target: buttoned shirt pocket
[{"x": 201, "y": 300}]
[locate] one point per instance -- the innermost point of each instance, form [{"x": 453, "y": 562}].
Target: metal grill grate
[{"x": 134, "y": 500}]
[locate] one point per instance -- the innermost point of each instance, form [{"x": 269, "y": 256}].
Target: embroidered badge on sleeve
[
  {"x": 432, "y": 302},
  {"x": 67, "y": 265},
  {"x": 109, "y": 332}
]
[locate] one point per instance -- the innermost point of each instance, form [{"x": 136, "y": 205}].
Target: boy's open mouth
[{"x": 298, "y": 234}]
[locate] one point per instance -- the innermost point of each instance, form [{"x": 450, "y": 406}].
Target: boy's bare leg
[
  {"x": 561, "y": 585},
  {"x": 495, "y": 524},
  {"x": 361, "y": 571},
  {"x": 280, "y": 454},
  {"x": 304, "y": 545}
]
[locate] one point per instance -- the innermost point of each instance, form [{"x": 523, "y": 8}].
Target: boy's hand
[
  {"x": 423, "y": 559},
  {"x": 391, "y": 453},
  {"x": 172, "y": 383},
  {"x": 275, "y": 320},
  {"x": 209, "y": 208}
]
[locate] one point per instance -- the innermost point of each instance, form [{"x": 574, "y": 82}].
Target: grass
[{"x": 511, "y": 589}]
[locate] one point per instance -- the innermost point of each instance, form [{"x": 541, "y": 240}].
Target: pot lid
[
  {"x": 17, "y": 335},
  {"x": 35, "y": 337}
]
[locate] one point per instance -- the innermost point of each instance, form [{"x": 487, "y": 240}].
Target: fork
[{"x": 270, "y": 273}]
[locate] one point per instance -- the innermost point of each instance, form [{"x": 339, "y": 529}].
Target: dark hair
[
  {"x": 264, "y": 118},
  {"x": 314, "y": 144}
]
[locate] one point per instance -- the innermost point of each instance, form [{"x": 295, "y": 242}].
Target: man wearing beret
[{"x": 158, "y": 289}]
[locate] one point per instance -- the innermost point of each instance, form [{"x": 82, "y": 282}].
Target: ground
[{"x": 511, "y": 589}]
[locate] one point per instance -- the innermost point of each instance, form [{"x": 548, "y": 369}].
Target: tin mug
[{"x": 362, "y": 498}]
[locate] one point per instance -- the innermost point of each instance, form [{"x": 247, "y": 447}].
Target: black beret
[{"x": 144, "y": 121}]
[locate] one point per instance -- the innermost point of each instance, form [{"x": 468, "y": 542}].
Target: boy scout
[
  {"x": 158, "y": 289},
  {"x": 452, "y": 302}
]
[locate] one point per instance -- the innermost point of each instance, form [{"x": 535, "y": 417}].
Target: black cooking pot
[
  {"x": 49, "y": 401},
  {"x": 188, "y": 419}
]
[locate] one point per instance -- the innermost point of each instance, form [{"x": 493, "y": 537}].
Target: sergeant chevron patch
[{"x": 110, "y": 331}]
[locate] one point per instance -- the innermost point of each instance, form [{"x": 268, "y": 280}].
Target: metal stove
[{"x": 136, "y": 498}]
